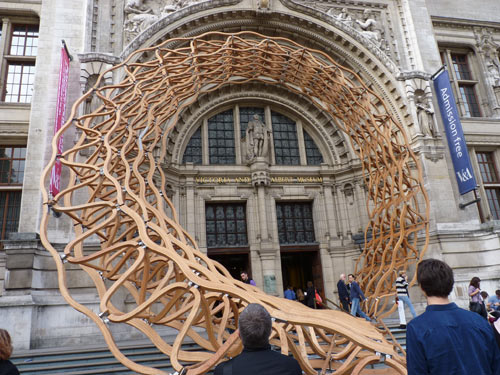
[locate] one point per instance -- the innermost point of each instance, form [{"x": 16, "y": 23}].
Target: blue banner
[{"x": 454, "y": 133}]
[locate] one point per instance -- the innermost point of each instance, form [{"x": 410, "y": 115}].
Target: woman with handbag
[{"x": 476, "y": 303}]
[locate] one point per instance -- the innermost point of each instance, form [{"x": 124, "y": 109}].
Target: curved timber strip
[{"x": 117, "y": 194}]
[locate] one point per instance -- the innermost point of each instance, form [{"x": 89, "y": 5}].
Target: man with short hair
[
  {"x": 257, "y": 357},
  {"x": 494, "y": 300},
  {"x": 446, "y": 339},
  {"x": 343, "y": 293},
  {"x": 356, "y": 296},
  {"x": 290, "y": 294},
  {"x": 246, "y": 279}
]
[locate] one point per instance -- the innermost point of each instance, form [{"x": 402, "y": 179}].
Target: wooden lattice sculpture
[{"x": 116, "y": 193}]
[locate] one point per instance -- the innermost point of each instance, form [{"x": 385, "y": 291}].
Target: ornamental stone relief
[
  {"x": 140, "y": 14},
  {"x": 364, "y": 23},
  {"x": 488, "y": 50}
]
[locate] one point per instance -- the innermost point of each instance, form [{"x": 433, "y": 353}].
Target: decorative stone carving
[
  {"x": 425, "y": 113},
  {"x": 489, "y": 51},
  {"x": 139, "y": 16},
  {"x": 257, "y": 136},
  {"x": 343, "y": 16},
  {"x": 370, "y": 27}
]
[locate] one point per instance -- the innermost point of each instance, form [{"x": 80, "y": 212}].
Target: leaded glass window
[
  {"x": 193, "y": 152},
  {"x": 313, "y": 154},
  {"x": 221, "y": 138},
  {"x": 246, "y": 114},
  {"x": 10, "y": 207},
  {"x": 226, "y": 225},
  {"x": 24, "y": 40},
  {"x": 295, "y": 223},
  {"x": 12, "y": 161},
  {"x": 286, "y": 144}
]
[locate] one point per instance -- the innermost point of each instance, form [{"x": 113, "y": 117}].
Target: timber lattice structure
[{"x": 117, "y": 193}]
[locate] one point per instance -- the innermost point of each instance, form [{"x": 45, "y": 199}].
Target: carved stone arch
[
  {"x": 334, "y": 146},
  {"x": 300, "y": 24}
]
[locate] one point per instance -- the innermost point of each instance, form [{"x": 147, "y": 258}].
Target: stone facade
[{"x": 393, "y": 45}]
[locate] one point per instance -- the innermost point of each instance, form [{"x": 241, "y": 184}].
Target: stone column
[{"x": 267, "y": 251}]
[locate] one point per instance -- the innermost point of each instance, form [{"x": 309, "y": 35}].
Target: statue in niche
[
  {"x": 492, "y": 65},
  {"x": 424, "y": 113},
  {"x": 343, "y": 16},
  {"x": 370, "y": 28},
  {"x": 256, "y": 136}
]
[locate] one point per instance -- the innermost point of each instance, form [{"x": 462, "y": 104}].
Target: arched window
[{"x": 227, "y": 139}]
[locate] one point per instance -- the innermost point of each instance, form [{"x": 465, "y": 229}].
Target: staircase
[
  {"x": 100, "y": 361},
  {"x": 87, "y": 361}
]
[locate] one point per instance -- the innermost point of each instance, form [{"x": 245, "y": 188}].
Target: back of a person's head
[
  {"x": 255, "y": 326},
  {"x": 484, "y": 294},
  {"x": 5, "y": 345},
  {"x": 435, "y": 278},
  {"x": 497, "y": 292}
]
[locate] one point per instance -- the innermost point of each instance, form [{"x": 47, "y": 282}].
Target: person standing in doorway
[
  {"x": 446, "y": 339},
  {"x": 290, "y": 294},
  {"x": 343, "y": 293},
  {"x": 246, "y": 279},
  {"x": 356, "y": 297},
  {"x": 309, "y": 295},
  {"x": 402, "y": 291}
]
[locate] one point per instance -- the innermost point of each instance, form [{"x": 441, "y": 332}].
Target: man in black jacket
[
  {"x": 257, "y": 357},
  {"x": 343, "y": 293}
]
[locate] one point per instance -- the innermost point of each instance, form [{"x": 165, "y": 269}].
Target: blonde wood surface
[{"x": 117, "y": 194}]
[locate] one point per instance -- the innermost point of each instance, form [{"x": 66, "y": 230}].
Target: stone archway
[{"x": 118, "y": 194}]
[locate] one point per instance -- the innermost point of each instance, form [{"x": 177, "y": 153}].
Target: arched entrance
[{"x": 118, "y": 194}]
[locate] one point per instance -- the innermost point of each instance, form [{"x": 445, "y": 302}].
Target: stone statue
[
  {"x": 136, "y": 7},
  {"x": 256, "y": 136},
  {"x": 370, "y": 28},
  {"x": 492, "y": 65},
  {"x": 424, "y": 114},
  {"x": 343, "y": 16}
]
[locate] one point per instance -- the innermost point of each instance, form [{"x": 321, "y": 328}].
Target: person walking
[
  {"x": 446, "y": 339},
  {"x": 343, "y": 293},
  {"x": 6, "y": 366},
  {"x": 402, "y": 292},
  {"x": 356, "y": 296},
  {"x": 476, "y": 303},
  {"x": 255, "y": 325}
]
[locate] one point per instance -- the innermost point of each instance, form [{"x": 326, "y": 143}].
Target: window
[
  {"x": 221, "y": 138},
  {"x": 20, "y": 56},
  {"x": 226, "y": 225},
  {"x": 491, "y": 184},
  {"x": 12, "y": 161},
  {"x": 295, "y": 223},
  {"x": 226, "y": 148},
  {"x": 313, "y": 155},
  {"x": 193, "y": 152},
  {"x": 463, "y": 81},
  {"x": 286, "y": 144}
]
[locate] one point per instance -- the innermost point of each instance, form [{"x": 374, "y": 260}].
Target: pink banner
[{"x": 55, "y": 176}]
